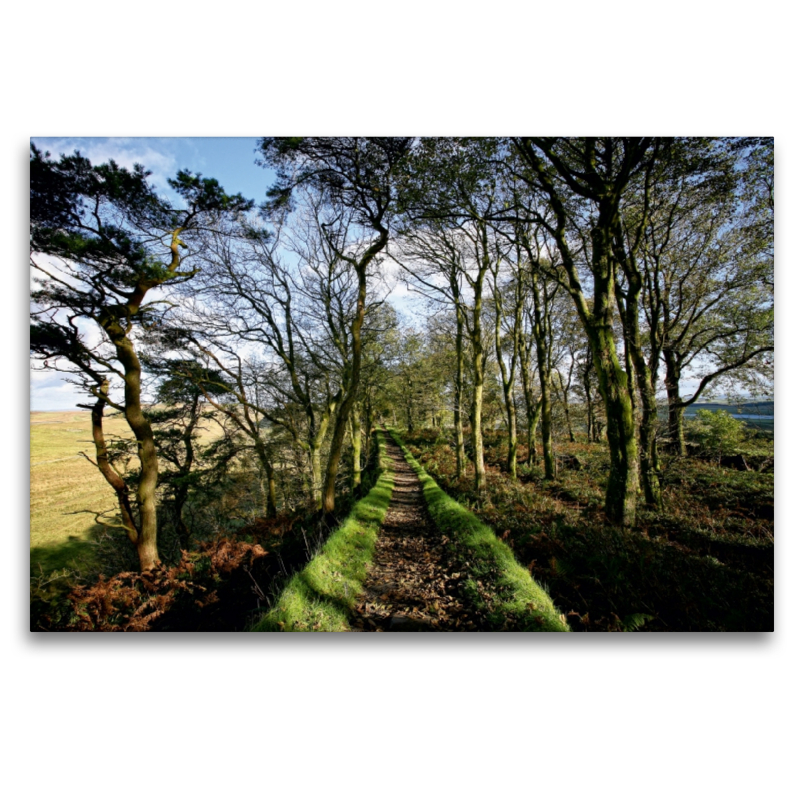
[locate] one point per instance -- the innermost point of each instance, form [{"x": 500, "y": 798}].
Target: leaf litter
[{"x": 415, "y": 581}]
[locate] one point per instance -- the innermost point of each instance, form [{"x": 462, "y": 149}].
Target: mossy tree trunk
[
  {"x": 543, "y": 340},
  {"x": 458, "y": 396},
  {"x": 508, "y": 369},
  {"x": 605, "y": 170},
  {"x": 355, "y": 439},
  {"x": 638, "y": 370},
  {"x": 483, "y": 263},
  {"x": 533, "y": 407}
]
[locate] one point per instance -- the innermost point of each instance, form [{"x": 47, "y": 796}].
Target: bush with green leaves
[{"x": 717, "y": 432}]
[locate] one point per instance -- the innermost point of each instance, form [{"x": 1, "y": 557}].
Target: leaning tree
[{"x": 103, "y": 248}]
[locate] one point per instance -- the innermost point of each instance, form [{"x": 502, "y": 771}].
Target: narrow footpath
[{"x": 413, "y": 583}]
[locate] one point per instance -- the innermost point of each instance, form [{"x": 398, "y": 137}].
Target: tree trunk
[
  {"x": 591, "y": 433},
  {"x": 675, "y": 404},
  {"x": 565, "y": 399},
  {"x": 533, "y": 408},
  {"x": 272, "y": 502},
  {"x": 458, "y": 400},
  {"x": 476, "y": 412},
  {"x": 368, "y": 425},
  {"x": 508, "y": 373},
  {"x": 541, "y": 331},
  {"x": 477, "y": 436},
  {"x": 637, "y": 368},
  {"x": 355, "y": 437},
  {"x": 146, "y": 544},
  {"x": 350, "y": 383},
  {"x": 104, "y": 465},
  {"x": 534, "y": 415},
  {"x": 511, "y": 413},
  {"x": 623, "y": 479},
  {"x": 316, "y": 477},
  {"x": 271, "y": 508}
]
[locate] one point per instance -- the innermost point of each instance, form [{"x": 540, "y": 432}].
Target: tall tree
[
  {"x": 709, "y": 268},
  {"x": 101, "y": 242},
  {"x": 582, "y": 182},
  {"x": 361, "y": 176}
]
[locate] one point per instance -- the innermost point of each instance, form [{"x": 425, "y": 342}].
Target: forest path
[{"x": 412, "y": 582}]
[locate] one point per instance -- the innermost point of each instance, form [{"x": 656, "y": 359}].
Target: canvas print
[{"x": 402, "y": 384}]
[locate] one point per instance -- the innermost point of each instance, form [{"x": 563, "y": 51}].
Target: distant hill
[{"x": 765, "y": 407}]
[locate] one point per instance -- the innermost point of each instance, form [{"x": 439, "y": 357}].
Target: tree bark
[
  {"x": 352, "y": 376},
  {"x": 355, "y": 437},
  {"x": 508, "y": 373},
  {"x": 541, "y": 336},
  {"x": 113, "y": 479},
  {"x": 637, "y": 368},
  {"x": 675, "y": 405},
  {"x": 146, "y": 544},
  {"x": 271, "y": 509},
  {"x": 476, "y": 411},
  {"x": 458, "y": 399}
]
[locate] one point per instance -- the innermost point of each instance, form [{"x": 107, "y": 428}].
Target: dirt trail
[{"x": 413, "y": 582}]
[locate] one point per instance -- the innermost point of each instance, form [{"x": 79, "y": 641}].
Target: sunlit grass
[
  {"x": 67, "y": 490},
  {"x": 519, "y": 603},
  {"x": 322, "y": 595}
]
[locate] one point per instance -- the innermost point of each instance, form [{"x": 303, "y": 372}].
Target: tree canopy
[{"x": 567, "y": 278}]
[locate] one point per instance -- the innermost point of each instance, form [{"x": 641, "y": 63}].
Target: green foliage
[{"x": 717, "y": 432}]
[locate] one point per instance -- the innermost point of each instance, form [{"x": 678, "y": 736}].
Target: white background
[{"x": 489, "y": 716}]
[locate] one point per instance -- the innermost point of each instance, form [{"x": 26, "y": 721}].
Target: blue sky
[{"x": 231, "y": 160}]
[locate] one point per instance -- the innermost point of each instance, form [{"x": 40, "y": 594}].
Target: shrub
[{"x": 717, "y": 432}]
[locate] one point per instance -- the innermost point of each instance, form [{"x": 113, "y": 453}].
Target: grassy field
[
  {"x": 65, "y": 487},
  {"x": 67, "y": 491}
]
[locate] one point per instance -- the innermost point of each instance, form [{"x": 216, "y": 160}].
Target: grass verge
[
  {"x": 322, "y": 595},
  {"x": 517, "y": 602}
]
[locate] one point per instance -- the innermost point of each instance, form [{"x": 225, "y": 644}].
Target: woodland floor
[{"x": 414, "y": 581}]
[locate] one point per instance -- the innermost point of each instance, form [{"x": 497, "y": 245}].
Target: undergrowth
[
  {"x": 221, "y": 584},
  {"x": 500, "y": 589},
  {"x": 704, "y": 563}
]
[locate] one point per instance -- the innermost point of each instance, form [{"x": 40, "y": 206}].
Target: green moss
[
  {"x": 520, "y": 603},
  {"x": 321, "y": 596}
]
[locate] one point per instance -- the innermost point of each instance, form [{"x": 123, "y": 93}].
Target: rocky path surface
[{"x": 413, "y": 581}]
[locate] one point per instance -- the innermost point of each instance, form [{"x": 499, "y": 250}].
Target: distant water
[{"x": 737, "y": 416}]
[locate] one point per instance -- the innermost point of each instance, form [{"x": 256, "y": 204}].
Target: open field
[
  {"x": 67, "y": 491},
  {"x": 65, "y": 487}
]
